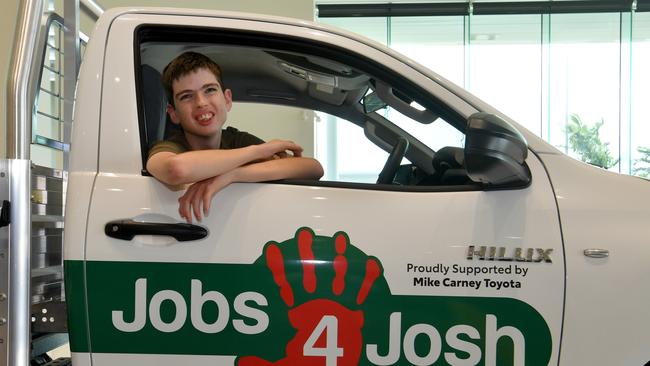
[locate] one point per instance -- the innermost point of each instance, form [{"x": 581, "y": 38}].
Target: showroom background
[{"x": 542, "y": 69}]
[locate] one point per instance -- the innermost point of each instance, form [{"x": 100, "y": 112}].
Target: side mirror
[{"x": 495, "y": 152}]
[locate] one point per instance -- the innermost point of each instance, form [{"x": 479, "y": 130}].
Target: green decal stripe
[
  {"x": 112, "y": 287},
  {"x": 445, "y": 312},
  {"x": 267, "y": 309},
  {"x": 75, "y": 287}
]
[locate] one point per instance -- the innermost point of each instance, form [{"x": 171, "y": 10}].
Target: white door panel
[{"x": 407, "y": 233}]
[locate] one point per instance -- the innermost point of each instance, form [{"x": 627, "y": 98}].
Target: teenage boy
[{"x": 202, "y": 153}]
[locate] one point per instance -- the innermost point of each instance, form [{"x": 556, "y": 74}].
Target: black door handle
[{"x": 127, "y": 229}]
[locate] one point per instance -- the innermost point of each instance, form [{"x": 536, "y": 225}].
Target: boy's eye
[
  {"x": 211, "y": 89},
  {"x": 184, "y": 96}
]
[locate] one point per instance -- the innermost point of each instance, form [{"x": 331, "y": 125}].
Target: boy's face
[{"x": 201, "y": 104}]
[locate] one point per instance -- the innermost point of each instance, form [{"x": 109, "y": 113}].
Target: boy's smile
[
  {"x": 205, "y": 118},
  {"x": 201, "y": 108}
]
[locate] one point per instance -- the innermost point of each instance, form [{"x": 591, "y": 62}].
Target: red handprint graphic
[{"x": 328, "y": 332}]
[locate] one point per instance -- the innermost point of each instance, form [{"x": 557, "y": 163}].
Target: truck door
[{"x": 310, "y": 273}]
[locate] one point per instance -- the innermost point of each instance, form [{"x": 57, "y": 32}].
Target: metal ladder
[{"x": 33, "y": 182}]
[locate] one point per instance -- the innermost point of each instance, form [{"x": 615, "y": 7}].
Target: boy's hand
[
  {"x": 279, "y": 148},
  {"x": 199, "y": 195}
]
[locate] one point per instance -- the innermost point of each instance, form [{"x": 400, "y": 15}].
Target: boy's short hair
[{"x": 185, "y": 64}]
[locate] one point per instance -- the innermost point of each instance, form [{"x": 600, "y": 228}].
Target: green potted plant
[{"x": 586, "y": 143}]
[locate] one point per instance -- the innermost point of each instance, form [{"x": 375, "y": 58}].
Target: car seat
[
  {"x": 449, "y": 166},
  {"x": 155, "y": 104}
]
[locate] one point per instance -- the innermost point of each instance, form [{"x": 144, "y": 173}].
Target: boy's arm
[
  {"x": 200, "y": 193},
  {"x": 193, "y": 166}
]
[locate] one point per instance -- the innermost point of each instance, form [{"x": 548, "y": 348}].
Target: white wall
[{"x": 8, "y": 17}]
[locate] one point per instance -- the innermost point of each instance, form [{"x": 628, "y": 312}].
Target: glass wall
[
  {"x": 505, "y": 65},
  {"x": 374, "y": 28},
  {"x": 441, "y": 48},
  {"x": 585, "y": 80},
  {"x": 580, "y": 81},
  {"x": 640, "y": 94}
]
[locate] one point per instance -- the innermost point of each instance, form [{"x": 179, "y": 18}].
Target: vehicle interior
[{"x": 301, "y": 79}]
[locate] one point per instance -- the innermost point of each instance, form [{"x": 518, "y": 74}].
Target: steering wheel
[{"x": 387, "y": 174}]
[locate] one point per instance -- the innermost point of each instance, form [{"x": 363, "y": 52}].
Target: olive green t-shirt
[{"x": 231, "y": 138}]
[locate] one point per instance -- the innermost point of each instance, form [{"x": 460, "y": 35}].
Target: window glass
[
  {"x": 505, "y": 65},
  {"x": 345, "y": 152},
  {"x": 348, "y": 156},
  {"x": 436, "y": 135},
  {"x": 47, "y": 126},
  {"x": 640, "y": 79},
  {"x": 435, "y": 42},
  {"x": 585, "y": 82}
]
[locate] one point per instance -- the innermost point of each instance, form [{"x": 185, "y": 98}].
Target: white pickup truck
[{"x": 479, "y": 243}]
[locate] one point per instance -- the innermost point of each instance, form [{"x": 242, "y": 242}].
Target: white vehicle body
[{"x": 537, "y": 299}]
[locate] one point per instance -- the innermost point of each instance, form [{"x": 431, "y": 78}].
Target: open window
[{"x": 399, "y": 136}]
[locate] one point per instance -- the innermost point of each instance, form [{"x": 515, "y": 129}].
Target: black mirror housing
[{"x": 495, "y": 152}]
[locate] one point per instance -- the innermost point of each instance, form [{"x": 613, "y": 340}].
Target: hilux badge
[{"x": 490, "y": 253}]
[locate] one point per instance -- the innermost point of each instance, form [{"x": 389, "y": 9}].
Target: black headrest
[
  {"x": 155, "y": 104},
  {"x": 449, "y": 157}
]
